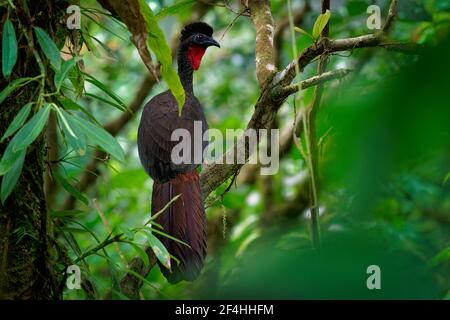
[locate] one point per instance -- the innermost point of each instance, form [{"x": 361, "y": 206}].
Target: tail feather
[{"x": 184, "y": 219}]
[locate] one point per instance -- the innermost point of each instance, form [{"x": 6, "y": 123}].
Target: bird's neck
[{"x": 185, "y": 70}]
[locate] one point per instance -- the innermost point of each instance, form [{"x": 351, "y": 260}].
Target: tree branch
[
  {"x": 313, "y": 81},
  {"x": 328, "y": 46},
  {"x": 270, "y": 100}
]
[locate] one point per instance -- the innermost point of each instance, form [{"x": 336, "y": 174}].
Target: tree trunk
[{"x": 27, "y": 257}]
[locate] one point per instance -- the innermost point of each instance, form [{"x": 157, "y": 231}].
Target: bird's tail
[{"x": 184, "y": 219}]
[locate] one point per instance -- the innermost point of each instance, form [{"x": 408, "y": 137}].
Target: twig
[
  {"x": 102, "y": 245},
  {"x": 311, "y": 140}
]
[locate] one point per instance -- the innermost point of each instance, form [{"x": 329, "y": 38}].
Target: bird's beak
[{"x": 209, "y": 41}]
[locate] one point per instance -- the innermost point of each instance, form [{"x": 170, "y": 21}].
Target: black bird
[{"x": 185, "y": 217}]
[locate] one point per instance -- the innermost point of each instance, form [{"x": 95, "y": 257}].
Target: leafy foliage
[{"x": 383, "y": 156}]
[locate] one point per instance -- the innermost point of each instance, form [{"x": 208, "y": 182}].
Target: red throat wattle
[{"x": 195, "y": 54}]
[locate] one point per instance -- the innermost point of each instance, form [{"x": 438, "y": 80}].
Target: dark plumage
[
  {"x": 159, "y": 119},
  {"x": 185, "y": 218}
]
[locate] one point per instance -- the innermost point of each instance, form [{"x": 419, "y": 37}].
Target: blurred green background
[{"x": 384, "y": 160}]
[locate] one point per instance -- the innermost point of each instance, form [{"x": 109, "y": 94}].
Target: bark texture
[{"x": 26, "y": 257}]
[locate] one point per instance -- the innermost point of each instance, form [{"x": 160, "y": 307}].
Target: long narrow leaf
[
  {"x": 141, "y": 252},
  {"x": 106, "y": 90},
  {"x": 30, "y": 131},
  {"x": 115, "y": 105},
  {"x": 102, "y": 25},
  {"x": 9, "y": 48},
  {"x": 62, "y": 73},
  {"x": 159, "y": 250},
  {"x": 18, "y": 121},
  {"x": 71, "y": 189},
  {"x": 9, "y": 158},
  {"x": 49, "y": 47},
  {"x": 99, "y": 136},
  {"x": 10, "y": 179},
  {"x": 320, "y": 23},
  {"x": 159, "y": 46},
  {"x": 75, "y": 138},
  {"x": 13, "y": 86},
  {"x": 72, "y": 105},
  {"x": 169, "y": 237}
]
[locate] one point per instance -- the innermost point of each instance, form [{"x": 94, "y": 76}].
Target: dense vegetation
[{"x": 364, "y": 174}]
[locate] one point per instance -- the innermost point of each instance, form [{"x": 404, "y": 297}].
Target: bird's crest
[{"x": 196, "y": 27}]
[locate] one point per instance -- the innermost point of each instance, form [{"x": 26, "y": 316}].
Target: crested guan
[{"x": 184, "y": 219}]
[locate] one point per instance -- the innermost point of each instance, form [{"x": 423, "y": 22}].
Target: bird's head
[{"x": 195, "y": 39}]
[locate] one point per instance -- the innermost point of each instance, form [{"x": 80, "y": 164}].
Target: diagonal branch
[
  {"x": 328, "y": 46},
  {"x": 270, "y": 100},
  {"x": 313, "y": 81}
]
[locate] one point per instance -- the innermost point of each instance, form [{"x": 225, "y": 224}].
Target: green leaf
[
  {"x": 300, "y": 30},
  {"x": 31, "y": 130},
  {"x": 170, "y": 237},
  {"x": 89, "y": 44},
  {"x": 76, "y": 78},
  {"x": 141, "y": 252},
  {"x": 320, "y": 23},
  {"x": 62, "y": 73},
  {"x": 159, "y": 46},
  {"x": 72, "y": 105},
  {"x": 9, "y": 48},
  {"x": 99, "y": 136},
  {"x": 115, "y": 105},
  {"x": 109, "y": 52},
  {"x": 159, "y": 250},
  {"x": 18, "y": 121},
  {"x": 106, "y": 90},
  {"x": 13, "y": 86},
  {"x": 74, "y": 136},
  {"x": 127, "y": 233},
  {"x": 176, "y": 8},
  {"x": 10, "y": 179},
  {"x": 103, "y": 26},
  {"x": 49, "y": 47},
  {"x": 9, "y": 158},
  {"x": 69, "y": 188}
]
